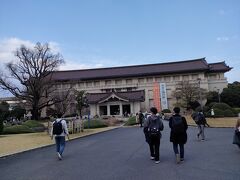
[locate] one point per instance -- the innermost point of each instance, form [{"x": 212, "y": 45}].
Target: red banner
[{"x": 156, "y": 96}]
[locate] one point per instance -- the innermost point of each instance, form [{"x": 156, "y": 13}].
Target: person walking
[
  {"x": 236, "y": 137},
  {"x": 141, "y": 118},
  {"x": 201, "y": 123},
  {"x": 178, "y": 134},
  {"x": 59, "y": 130},
  {"x": 154, "y": 125}
]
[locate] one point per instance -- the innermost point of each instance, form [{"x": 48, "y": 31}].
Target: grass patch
[
  {"x": 131, "y": 121},
  {"x": 216, "y": 122}
]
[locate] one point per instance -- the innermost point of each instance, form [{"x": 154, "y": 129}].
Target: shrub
[
  {"x": 221, "y": 106},
  {"x": 228, "y": 113},
  {"x": 1, "y": 125},
  {"x": 131, "y": 121},
  {"x": 237, "y": 110},
  {"x": 94, "y": 123},
  {"x": 218, "y": 112},
  {"x": 17, "y": 129},
  {"x": 32, "y": 124},
  {"x": 166, "y": 111}
]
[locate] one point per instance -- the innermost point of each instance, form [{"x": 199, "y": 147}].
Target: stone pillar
[
  {"x": 121, "y": 110},
  {"x": 108, "y": 110}
]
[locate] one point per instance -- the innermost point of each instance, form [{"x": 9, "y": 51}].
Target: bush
[
  {"x": 17, "y": 129},
  {"x": 131, "y": 121},
  {"x": 94, "y": 123},
  {"x": 218, "y": 112},
  {"x": 228, "y": 113},
  {"x": 237, "y": 110},
  {"x": 32, "y": 124},
  {"x": 221, "y": 106},
  {"x": 166, "y": 111},
  {"x": 1, "y": 125}
]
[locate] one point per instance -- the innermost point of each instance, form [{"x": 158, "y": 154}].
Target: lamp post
[
  {"x": 218, "y": 91},
  {"x": 199, "y": 92}
]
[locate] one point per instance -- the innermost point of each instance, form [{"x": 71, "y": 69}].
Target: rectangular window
[
  {"x": 118, "y": 82},
  {"x": 89, "y": 84},
  {"x": 149, "y": 79},
  {"x": 108, "y": 82},
  {"x": 185, "y": 77},
  {"x": 176, "y": 78},
  {"x": 158, "y": 79},
  {"x": 194, "y": 76},
  {"x": 140, "y": 80},
  {"x": 167, "y": 78},
  {"x": 129, "y": 81},
  {"x": 96, "y": 83}
]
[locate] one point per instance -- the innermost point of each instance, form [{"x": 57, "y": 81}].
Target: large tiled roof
[
  {"x": 196, "y": 65},
  {"x": 130, "y": 96}
]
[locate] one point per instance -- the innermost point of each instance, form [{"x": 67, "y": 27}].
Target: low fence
[{"x": 74, "y": 125}]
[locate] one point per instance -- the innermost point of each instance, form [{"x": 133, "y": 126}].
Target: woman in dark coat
[{"x": 178, "y": 135}]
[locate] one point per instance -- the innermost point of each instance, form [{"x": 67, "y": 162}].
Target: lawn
[{"x": 216, "y": 122}]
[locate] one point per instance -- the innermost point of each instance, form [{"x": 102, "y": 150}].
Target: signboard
[
  {"x": 163, "y": 94},
  {"x": 156, "y": 96}
]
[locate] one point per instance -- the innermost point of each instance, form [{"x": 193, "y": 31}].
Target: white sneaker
[
  {"x": 59, "y": 156},
  {"x": 177, "y": 158},
  {"x": 152, "y": 158},
  {"x": 157, "y": 162}
]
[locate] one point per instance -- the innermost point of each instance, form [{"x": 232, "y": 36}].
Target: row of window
[{"x": 139, "y": 80}]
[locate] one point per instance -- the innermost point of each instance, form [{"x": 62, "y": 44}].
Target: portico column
[
  {"x": 121, "y": 110},
  {"x": 108, "y": 110}
]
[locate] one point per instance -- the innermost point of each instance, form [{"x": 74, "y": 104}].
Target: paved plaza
[{"x": 122, "y": 154}]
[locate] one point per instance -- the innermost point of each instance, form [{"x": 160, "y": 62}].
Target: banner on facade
[
  {"x": 156, "y": 96},
  {"x": 163, "y": 94}
]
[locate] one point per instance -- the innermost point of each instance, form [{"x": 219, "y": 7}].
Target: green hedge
[
  {"x": 17, "y": 129},
  {"x": 166, "y": 111},
  {"x": 32, "y": 124},
  {"x": 131, "y": 121},
  {"x": 94, "y": 123}
]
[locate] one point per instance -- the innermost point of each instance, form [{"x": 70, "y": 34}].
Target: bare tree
[
  {"x": 30, "y": 77},
  {"x": 81, "y": 101},
  {"x": 63, "y": 100},
  {"x": 186, "y": 93}
]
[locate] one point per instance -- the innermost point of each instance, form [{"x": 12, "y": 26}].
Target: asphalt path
[{"x": 122, "y": 154}]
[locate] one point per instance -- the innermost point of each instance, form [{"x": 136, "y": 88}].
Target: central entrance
[{"x": 114, "y": 110}]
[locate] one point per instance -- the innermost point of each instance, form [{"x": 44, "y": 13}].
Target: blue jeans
[
  {"x": 60, "y": 144},
  {"x": 175, "y": 148}
]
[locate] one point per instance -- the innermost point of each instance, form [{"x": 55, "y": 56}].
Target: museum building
[{"x": 117, "y": 91}]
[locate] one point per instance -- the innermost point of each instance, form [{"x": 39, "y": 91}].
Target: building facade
[{"x": 126, "y": 90}]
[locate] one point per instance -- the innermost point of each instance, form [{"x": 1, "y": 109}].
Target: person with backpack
[
  {"x": 152, "y": 127},
  {"x": 178, "y": 134},
  {"x": 141, "y": 118},
  {"x": 59, "y": 130},
  {"x": 201, "y": 122}
]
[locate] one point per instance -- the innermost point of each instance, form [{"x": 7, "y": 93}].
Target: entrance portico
[{"x": 115, "y": 103}]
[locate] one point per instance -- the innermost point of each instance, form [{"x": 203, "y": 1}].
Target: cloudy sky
[{"x": 106, "y": 33}]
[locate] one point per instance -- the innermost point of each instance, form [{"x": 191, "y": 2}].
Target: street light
[
  {"x": 218, "y": 91},
  {"x": 199, "y": 91}
]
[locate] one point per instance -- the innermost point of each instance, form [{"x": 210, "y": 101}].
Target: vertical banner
[
  {"x": 163, "y": 93},
  {"x": 156, "y": 96}
]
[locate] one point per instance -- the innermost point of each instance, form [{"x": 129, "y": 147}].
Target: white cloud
[
  {"x": 223, "y": 38},
  {"x": 69, "y": 65},
  {"x": 9, "y": 45}
]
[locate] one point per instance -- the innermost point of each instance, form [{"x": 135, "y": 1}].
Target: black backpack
[
  {"x": 57, "y": 127},
  {"x": 177, "y": 124},
  {"x": 154, "y": 127}
]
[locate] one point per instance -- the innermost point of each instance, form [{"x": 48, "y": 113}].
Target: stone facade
[{"x": 209, "y": 76}]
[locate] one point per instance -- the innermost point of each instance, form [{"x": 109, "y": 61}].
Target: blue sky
[{"x": 105, "y": 33}]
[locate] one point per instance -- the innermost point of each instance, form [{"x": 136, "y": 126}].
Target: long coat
[{"x": 178, "y": 138}]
